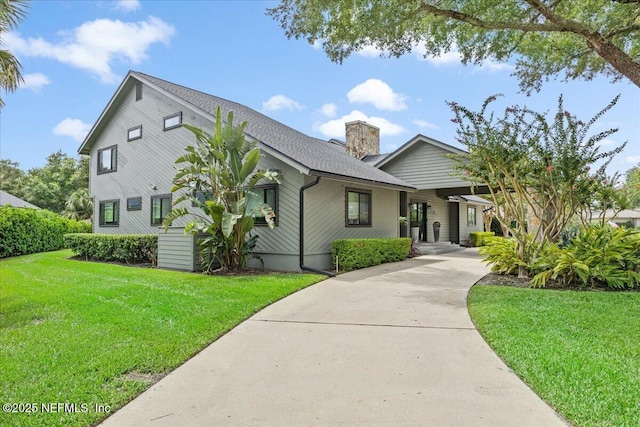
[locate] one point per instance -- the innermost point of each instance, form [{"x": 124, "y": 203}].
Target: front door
[{"x": 419, "y": 218}]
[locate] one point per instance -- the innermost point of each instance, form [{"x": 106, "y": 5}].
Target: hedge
[
  {"x": 129, "y": 248},
  {"x": 352, "y": 254},
  {"x": 26, "y": 231},
  {"x": 476, "y": 238}
]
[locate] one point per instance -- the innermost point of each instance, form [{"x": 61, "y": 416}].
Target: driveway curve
[{"x": 388, "y": 345}]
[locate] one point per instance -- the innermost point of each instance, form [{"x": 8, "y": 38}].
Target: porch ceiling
[{"x": 462, "y": 191}]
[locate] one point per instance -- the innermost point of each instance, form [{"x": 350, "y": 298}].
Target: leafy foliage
[
  {"x": 218, "y": 176},
  {"x": 477, "y": 238},
  {"x": 353, "y": 254},
  {"x": 26, "y": 231},
  {"x": 582, "y": 38},
  {"x": 79, "y": 205},
  {"x": 129, "y": 248},
  {"x": 48, "y": 187},
  {"x": 597, "y": 257},
  {"x": 12, "y": 12},
  {"x": 534, "y": 168}
]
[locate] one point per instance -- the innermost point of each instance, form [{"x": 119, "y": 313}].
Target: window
[
  {"x": 264, "y": 194},
  {"x": 471, "y": 215},
  {"x": 173, "y": 121},
  {"x": 107, "y": 159},
  {"x": 160, "y": 208},
  {"x": 109, "y": 212},
  {"x": 138, "y": 91},
  {"x": 134, "y": 203},
  {"x": 358, "y": 209},
  {"x": 134, "y": 133}
]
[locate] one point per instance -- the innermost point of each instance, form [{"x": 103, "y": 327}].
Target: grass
[
  {"x": 88, "y": 333},
  {"x": 579, "y": 351}
]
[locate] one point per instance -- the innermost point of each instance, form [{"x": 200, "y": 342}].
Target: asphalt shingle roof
[
  {"x": 10, "y": 199},
  {"x": 321, "y": 157}
]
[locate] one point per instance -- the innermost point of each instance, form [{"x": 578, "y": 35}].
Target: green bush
[
  {"x": 477, "y": 238},
  {"x": 502, "y": 254},
  {"x": 27, "y": 231},
  {"x": 129, "y": 248},
  {"x": 598, "y": 256},
  {"x": 353, "y": 254}
]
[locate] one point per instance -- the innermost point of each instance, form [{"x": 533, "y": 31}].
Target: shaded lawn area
[
  {"x": 579, "y": 351},
  {"x": 90, "y": 333}
]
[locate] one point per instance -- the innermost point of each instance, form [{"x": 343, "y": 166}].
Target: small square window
[
  {"x": 134, "y": 133},
  {"x": 160, "y": 208},
  {"x": 173, "y": 121},
  {"x": 109, "y": 212},
  {"x": 134, "y": 203},
  {"x": 358, "y": 209},
  {"x": 107, "y": 159}
]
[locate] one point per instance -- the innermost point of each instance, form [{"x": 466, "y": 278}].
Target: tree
[
  {"x": 583, "y": 38},
  {"x": 11, "y": 178},
  {"x": 50, "y": 187},
  {"x": 632, "y": 185},
  {"x": 12, "y": 12},
  {"x": 79, "y": 205},
  {"x": 538, "y": 172},
  {"x": 217, "y": 178}
]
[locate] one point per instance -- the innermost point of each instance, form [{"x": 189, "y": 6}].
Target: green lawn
[
  {"x": 88, "y": 333},
  {"x": 580, "y": 351}
]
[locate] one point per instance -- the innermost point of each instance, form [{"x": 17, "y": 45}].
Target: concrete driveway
[{"x": 389, "y": 345}]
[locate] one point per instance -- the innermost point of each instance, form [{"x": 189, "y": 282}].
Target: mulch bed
[{"x": 508, "y": 280}]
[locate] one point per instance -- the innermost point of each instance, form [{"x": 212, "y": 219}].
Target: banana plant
[{"x": 217, "y": 176}]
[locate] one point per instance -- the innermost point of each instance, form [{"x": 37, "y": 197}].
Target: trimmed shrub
[
  {"x": 477, "y": 238},
  {"x": 26, "y": 231},
  {"x": 353, "y": 254},
  {"x": 129, "y": 248}
]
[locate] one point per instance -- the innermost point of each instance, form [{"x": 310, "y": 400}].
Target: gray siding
[
  {"x": 465, "y": 229},
  {"x": 177, "y": 251},
  {"x": 439, "y": 211},
  {"x": 426, "y": 167},
  {"x": 325, "y": 218}
]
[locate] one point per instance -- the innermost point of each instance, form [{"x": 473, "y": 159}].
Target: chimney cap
[{"x": 355, "y": 122}]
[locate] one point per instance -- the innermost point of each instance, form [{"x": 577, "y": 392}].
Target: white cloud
[
  {"x": 453, "y": 57},
  {"x": 606, "y": 142},
  {"x": 632, "y": 159},
  {"x": 127, "y": 5},
  {"x": 328, "y": 110},
  {"x": 94, "y": 45},
  {"x": 35, "y": 81},
  {"x": 370, "y": 51},
  {"x": 335, "y": 128},
  {"x": 424, "y": 124},
  {"x": 75, "y": 128},
  {"x": 281, "y": 102},
  {"x": 378, "y": 93}
]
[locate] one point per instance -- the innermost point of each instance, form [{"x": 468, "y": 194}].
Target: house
[
  {"x": 16, "y": 202},
  {"x": 626, "y": 217},
  {"x": 329, "y": 190}
]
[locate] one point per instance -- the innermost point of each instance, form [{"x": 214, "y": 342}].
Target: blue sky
[{"x": 75, "y": 54}]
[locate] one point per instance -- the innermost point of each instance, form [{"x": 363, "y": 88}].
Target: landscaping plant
[
  {"x": 217, "y": 177},
  {"x": 538, "y": 172}
]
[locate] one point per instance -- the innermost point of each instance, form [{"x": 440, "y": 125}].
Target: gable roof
[
  {"x": 16, "y": 202},
  {"x": 419, "y": 138},
  {"x": 311, "y": 156}
]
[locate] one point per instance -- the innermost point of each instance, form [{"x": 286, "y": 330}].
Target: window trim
[
  {"x": 116, "y": 209},
  {"x": 475, "y": 216},
  {"x": 171, "y": 116},
  {"x": 129, "y": 138},
  {"x": 275, "y": 208},
  {"x": 114, "y": 160},
  {"x": 139, "y": 199},
  {"x": 348, "y": 190},
  {"x": 159, "y": 196}
]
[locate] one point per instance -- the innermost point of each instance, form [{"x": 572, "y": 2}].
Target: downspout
[{"x": 302, "y": 266}]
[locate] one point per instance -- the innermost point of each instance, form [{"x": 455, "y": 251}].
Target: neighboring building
[
  {"x": 16, "y": 202},
  {"x": 327, "y": 192},
  {"x": 627, "y": 217}
]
